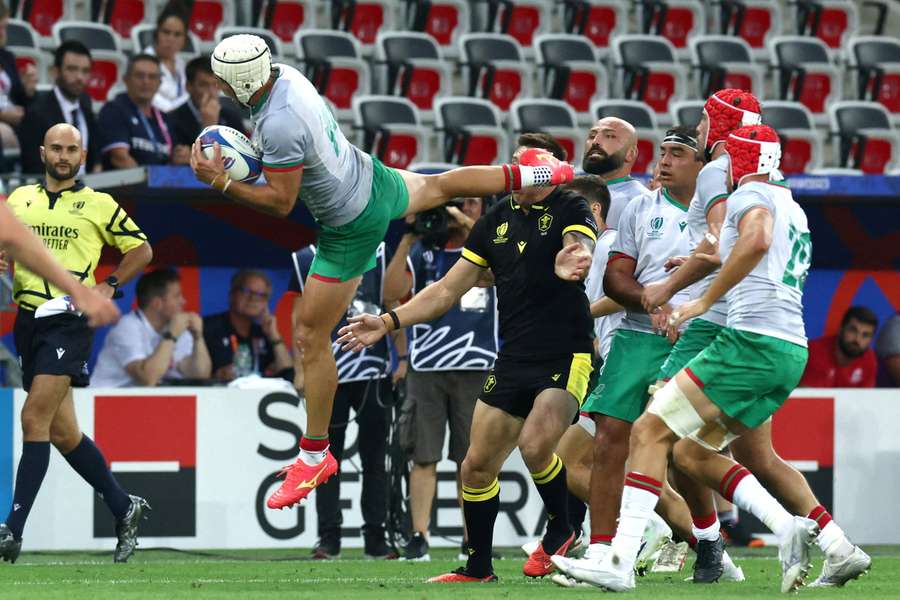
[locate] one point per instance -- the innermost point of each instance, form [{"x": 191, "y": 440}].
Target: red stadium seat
[
  {"x": 522, "y": 19},
  {"x": 471, "y": 129},
  {"x": 755, "y": 21},
  {"x": 125, "y": 14},
  {"x": 867, "y": 140},
  {"x": 647, "y": 70},
  {"x": 877, "y": 61},
  {"x": 332, "y": 61},
  {"x": 285, "y": 17},
  {"x": 444, "y": 20},
  {"x": 805, "y": 72},
  {"x": 554, "y": 117},
  {"x": 597, "y": 20},
  {"x": 390, "y": 130},
  {"x": 676, "y": 20},
  {"x": 209, "y": 15},
  {"x": 570, "y": 70},
  {"x": 725, "y": 62},
  {"x": 412, "y": 67},
  {"x": 107, "y": 70},
  {"x": 832, "y": 21},
  {"x": 495, "y": 68},
  {"x": 801, "y": 143},
  {"x": 363, "y": 18},
  {"x": 642, "y": 118},
  {"x": 43, "y": 14}
]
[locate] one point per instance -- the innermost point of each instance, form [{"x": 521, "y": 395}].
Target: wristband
[
  {"x": 402, "y": 357},
  {"x": 212, "y": 183},
  {"x": 167, "y": 335},
  {"x": 227, "y": 183},
  {"x": 394, "y": 319}
]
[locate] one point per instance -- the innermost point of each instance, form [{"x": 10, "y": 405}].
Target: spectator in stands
[
  {"x": 156, "y": 341},
  {"x": 169, "y": 40},
  {"x": 888, "y": 349},
  {"x": 450, "y": 359},
  {"x": 244, "y": 340},
  {"x": 204, "y": 106},
  {"x": 67, "y": 102},
  {"x": 844, "y": 360},
  {"x": 132, "y": 131},
  {"x": 13, "y": 98}
]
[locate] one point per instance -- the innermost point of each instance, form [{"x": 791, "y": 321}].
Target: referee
[
  {"x": 54, "y": 343},
  {"x": 538, "y": 243}
]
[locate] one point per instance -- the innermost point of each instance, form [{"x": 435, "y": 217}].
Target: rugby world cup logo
[
  {"x": 501, "y": 233},
  {"x": 656, "y": 225}
]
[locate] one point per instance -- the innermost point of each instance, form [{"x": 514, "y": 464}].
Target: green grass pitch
[{"x": 270, "y": 574}]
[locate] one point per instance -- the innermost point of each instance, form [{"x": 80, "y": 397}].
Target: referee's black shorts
[
  {"x": 55, "y": 345},
  {"x": 512, "y": 385}
]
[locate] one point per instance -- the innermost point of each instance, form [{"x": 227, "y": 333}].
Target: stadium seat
[
  {"x": 142, "y": 38},
  {"x": 390, "y": 129},
  {"x": 755, "y": 21},
  {"x": 363, "y": 18},
  {"x": 725, "y": 62},
  {"x": 107, "y": 69},
  {"x": 444, "y": 20},
  {"x": 554, "y": 117},
  {"x": 21, "y": 34},
  {"x": 494, "y": 68},
  {"x": 832, "y": 21},
  {"x": 272, "y": 40},
  {"x": 597, "y": 20},
  {"x": 804, "y": 72},
  {"x": 122, "y": 15},
  {"x": 409, "y": 64},
  {"x": 332, "y": 61},
  {"x": 44, "y": 14},
  {"x": 32, "y": 56},
  {"x": 207, "y": 16},
  {"x": 471, "y": 131},
  {"x": 642, "y": 118},
  {"x": 521, "y": 19},
  {"x": 687, "y": 112},
  {"x": 570, "y": 70},
  {"x": 676, "y": 20},
  {"x": 95, "y": 36},
  {"x": 801, "y": 143},
  {"x": 284, "y": 17},
  {"x": 646, "y": 69},
  {"x": 877, "y": 62},
  {"x": 866, "y": 139}
]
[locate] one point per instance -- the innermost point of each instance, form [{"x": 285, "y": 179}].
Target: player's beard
[
  {"x": 603, "y": 163},
  {"x": 66, "y": 172},
  {"x": 853, "y": 351}
]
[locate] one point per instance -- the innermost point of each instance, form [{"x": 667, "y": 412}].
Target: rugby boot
[
  {"x": 127, "y": 529},
  {"x": 538, "y": 564},
  {"x": 9, "y": 547},
  {"x": 656, "y": 535},
  {"x": 574, "y": 568},
  {"x": 794, "y": 554},
  {"x": 731, "y": 572},
  {"x": 300, "y": 479},
  {"x": 836, "y": 571},
  {"x": 461, "y": 576},
  {"x": 417, "y": 548},
  {"x": 709, "y": 566},
  {"x": 327, "y": 548}
]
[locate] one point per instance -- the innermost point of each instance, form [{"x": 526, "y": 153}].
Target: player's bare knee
[
  {"x": 649, "y": 429},
  {"x": 64, "y": 439},
  {"x": 35, "y": 424},
  {"x": 536, "y": 455},
  {"x": 474, "y": 474}
]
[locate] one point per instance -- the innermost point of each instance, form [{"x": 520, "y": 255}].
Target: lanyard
[{"x": 152, "y": 134}]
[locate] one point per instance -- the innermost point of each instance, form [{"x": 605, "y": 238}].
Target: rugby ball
[{"x": 243, "y": 161}]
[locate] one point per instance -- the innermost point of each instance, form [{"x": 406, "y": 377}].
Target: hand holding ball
[{"x": 243, "y": 161}]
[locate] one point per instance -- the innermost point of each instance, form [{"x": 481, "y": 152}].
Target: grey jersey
[
  {"x": 294, "y": 128},
  {"x": 652, "y": 229},
  {"x": 604, "y": 327},
  {"x": 769, "y": 300},
  {"x": 621, "y": 191},
  {"x": 712, "y": 188}
]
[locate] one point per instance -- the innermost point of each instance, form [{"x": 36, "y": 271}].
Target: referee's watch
[{"x": 112, "y": 281}]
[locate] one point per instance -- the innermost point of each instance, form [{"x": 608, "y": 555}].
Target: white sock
[
  {"x": 709, "y": 534},
  {"x": 833, "y": 542},
  {"x": 752, "y": 497},
  {"x": 637, "y": 509},
  {"x": 313, "y": 458}
]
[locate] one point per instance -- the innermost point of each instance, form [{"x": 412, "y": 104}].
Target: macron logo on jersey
[{"x": 59, "y": 353}]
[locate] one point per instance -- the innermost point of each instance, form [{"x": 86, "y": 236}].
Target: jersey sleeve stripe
[
  {"x": 614, "y": 256},
  {"x": 474, "y": 258},
  {"x": 746, "y": 209},
  {"x": 582, "y": 229},
  {"x": 716, "y": 200},
  {"x": 283, "y": 167}
]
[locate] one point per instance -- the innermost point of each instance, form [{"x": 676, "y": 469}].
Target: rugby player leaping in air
[{"x": 352, "y": 196}]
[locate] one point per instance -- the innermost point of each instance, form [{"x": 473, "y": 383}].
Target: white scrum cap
[{"x": 244, "y": 62}]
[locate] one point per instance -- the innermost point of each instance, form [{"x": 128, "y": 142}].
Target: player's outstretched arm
[
  {"x": 276, "y": 197},
  {"x": 24, "y": 247},
  {"x": 605, "y": 306},
  {"x": 427, "y": 305}
]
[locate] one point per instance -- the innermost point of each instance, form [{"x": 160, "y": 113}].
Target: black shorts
[
  {"x": 56, "y": 345},
  {"x": 512, "y": 385}
]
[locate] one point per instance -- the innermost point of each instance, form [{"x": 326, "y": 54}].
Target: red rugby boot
[
  {"x": 460, "y": 576},
  {"x": 538, "y": 564},
  {"x": 300, "y": 480}
]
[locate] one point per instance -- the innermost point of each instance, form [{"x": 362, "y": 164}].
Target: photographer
[{"x": 449, "y": 357}]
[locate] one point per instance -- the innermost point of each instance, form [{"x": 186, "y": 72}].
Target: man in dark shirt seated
[
  {"x": 244, "y": 340},
  {"x": 132, "y": 132},
  {"x": 67, "y": 102},
  {"x": 204, "y": 107}
]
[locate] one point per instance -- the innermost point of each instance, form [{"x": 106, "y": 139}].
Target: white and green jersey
[
  {"x": 604, "y": 327},
  {"x": 621, "y": 191},
  {"x": 769, "y": 301},
  {"x": 294, "y": 128},
  {"x": 651, "y": 229},
  {"x": 712, "y": 188}
]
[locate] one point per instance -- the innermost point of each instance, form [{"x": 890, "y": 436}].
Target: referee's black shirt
[{"x": 541, "y": 316}]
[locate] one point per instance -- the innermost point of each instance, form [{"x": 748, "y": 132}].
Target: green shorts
[
  {"x": 348, "y": 251},
  {"x": 693, "y": 340},
  {"x": 748, "y": 375},
  {"x": 631, "y": 367}
]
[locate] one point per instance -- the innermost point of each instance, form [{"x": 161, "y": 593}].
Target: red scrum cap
[
  {"x": 727, "y": 110},
  {"x": 753, "y": 150}
]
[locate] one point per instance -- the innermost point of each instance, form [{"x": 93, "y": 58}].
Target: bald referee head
[
  {"x": 611, "y": 144},
  {"x": 62, "y": 153}
]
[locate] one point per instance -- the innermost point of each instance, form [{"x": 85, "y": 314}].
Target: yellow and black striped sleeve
[
  {"x": 580, "y": 219},
  {"x": 116, "y": 227},
  {"x": 475, "y": 249}
]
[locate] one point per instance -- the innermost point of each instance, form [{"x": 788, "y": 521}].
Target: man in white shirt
[{"x": 156, "y": 341}]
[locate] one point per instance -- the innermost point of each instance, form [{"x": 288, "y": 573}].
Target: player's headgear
[
  {"x": 676, "y": 136},
  {"x": 244, "y": 62},
  {"x": 727, "y": 110},
  {"x": 753, "y": 150}
]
